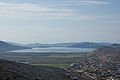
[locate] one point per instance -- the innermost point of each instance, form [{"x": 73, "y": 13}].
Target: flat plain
[{"x": 43, "y": 59}]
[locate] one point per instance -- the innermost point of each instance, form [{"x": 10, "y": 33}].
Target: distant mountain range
[
  {"x": 4, "y": 46},
  {"x": 69, "y": 45}
]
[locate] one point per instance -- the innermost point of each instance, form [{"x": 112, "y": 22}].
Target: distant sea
[{"x": 56, "y": 49}]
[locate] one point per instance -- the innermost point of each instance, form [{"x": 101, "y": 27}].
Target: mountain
[
  {"x": 16, "y": 44},
  {"x": 88, "y": 45},
  {"x": 37, "y": 45},
  {"x": 4, "y": 46},
  {"x": 70, "y": 45},
  {"x": 17, "y": 71},
  {"x": 107, "y": 53}
]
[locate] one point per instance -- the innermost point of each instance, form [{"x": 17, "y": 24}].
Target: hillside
[
  {"x": 4, "y": 46},
  {"x": 107, "y": 53},
  {"x": 101, "y": 64},
  {"x": 17, "y": 71}
]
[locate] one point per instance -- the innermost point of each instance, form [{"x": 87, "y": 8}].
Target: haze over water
[{"x": 56, "y": 49}]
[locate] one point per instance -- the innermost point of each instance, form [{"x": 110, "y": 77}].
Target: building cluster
[{"x": 96, "y": 69}]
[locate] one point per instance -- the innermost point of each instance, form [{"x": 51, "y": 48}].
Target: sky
[{"x": 56, "y": 21}]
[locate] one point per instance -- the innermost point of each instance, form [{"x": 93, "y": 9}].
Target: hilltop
[{"x": 107, "y": 53}]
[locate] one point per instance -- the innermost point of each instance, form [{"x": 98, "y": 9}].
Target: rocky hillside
[
  {"x": 107, "y": 53},
  {"x": 6, "y": 47},
  {"x": 101, "y": 64},
  {"x": 17, "y": 71}
]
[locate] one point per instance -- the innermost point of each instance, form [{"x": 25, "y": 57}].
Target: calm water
[{"x": 56, "y": 49}]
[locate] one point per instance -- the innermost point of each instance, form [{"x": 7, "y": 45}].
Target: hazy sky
[{"x": 53, "y": 21}]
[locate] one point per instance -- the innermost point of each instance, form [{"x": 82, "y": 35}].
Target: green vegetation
[
  {"x": 54, "y": 65},
  {"x": 45, "y": 59},
  {"x": 56, "y": 60}
]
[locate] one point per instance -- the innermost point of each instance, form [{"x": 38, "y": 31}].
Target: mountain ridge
[
  {"x": 4, "y": 46},
  {"x": 69, "y": 45}
]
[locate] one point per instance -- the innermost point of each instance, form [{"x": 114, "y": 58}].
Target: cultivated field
[{"x": 44, "y": 59}]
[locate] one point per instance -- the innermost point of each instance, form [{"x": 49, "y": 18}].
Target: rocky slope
[
  {"x": 17, "y": 71},
  {"x": 101, "y": 64},
  {"x": 107, "y": 53}
]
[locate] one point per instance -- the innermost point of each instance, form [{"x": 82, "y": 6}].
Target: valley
[
  {"x": 43, "y": 59},
  {"x": 99, "y": 64}
]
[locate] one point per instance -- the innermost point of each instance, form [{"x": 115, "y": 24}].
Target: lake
[{"x": 56, "y": 49}]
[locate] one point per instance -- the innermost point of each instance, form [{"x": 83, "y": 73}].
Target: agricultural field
[{"x": 44, "y": 59}]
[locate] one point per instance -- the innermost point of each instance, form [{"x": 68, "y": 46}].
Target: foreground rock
[{"x": 17, "y": 71}]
